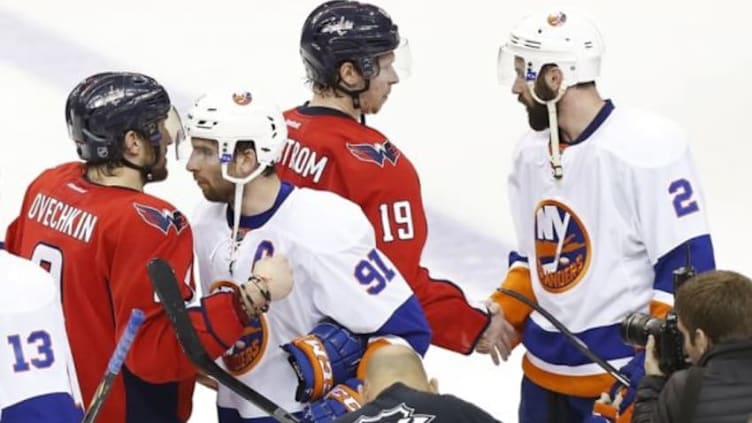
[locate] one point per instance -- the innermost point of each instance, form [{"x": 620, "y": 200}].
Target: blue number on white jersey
[
  {"x": 683, "y": 202},
  {"x": 42, "y": 358},
  {"x": 366, "y": 273}
]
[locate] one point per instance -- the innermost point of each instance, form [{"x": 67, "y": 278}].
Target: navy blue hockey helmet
[
  {"x": 340, "y": 31},
  {"x": 102, "y": 108}
]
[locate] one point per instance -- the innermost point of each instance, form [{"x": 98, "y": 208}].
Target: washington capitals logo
[
  {"x": 399, "y": 414},
  {"x": 375, "y": 153},
  {"x": 162, "y": 219}
]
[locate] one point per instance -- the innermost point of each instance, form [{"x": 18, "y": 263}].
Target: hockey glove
[
  {"x": 325, "y": 357},
  {"x": 342, "y": 399},
  {"x": 635, "y": 371}
]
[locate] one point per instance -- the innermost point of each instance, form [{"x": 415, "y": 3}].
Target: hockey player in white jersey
[
  {"x": 38, "y": 381},
  {"x": 348, "y": 297},
  {"x": 606, "y": 205}
]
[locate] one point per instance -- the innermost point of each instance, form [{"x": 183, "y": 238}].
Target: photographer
[{"x": 714, "y": 312}]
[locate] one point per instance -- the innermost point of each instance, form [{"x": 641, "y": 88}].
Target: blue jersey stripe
[
  {"x": 515, "y": 257},
  {"x": 50, "y": 408},
  {"x": 409, "y": 323},
  {"x": 554, "y": 348},
  {"x": 701, "y": 257}
]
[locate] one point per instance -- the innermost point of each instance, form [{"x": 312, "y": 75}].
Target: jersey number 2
[
  {"x": 684, "y": 204},
  {"x": 402, "y": 216}
]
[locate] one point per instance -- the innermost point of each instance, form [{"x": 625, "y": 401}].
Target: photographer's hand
[{"x": 651, "y": 359}]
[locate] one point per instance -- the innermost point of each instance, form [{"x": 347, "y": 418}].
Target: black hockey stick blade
[{"x": 168, "y": 290}]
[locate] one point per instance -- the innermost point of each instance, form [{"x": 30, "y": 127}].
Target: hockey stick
[
  {"x": 167, "y": 288},
  {"x": 574, "y": 340},
  {"x": 113, "y": 367}
]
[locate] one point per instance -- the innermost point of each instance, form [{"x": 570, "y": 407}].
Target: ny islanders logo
[
  {"x": 562, "y": 246},
  {"x": 248, "y": 349},
  {"x": 162, "y": 219},
  {"x": 376, "y": 153}
]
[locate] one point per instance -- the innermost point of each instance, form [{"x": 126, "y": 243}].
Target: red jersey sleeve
[
  {"x": 330, "y": 152},
  {"x": 156, "y": 355}
]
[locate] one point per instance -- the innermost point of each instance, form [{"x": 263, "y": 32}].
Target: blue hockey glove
[
  {"x": 342, "y": 399},
  {"x": 325, "y": 357}
]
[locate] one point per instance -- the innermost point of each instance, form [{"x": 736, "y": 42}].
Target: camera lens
[{"x": 636, "y": 327}]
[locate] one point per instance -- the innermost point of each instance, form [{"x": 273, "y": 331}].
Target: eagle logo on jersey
[
  {"x": 248, "y": 349},
  {"x": 162, "y": 219},
  {"x": 562, "y": 246},
  {"x": 375, "y": 153},
  {"x": 399, "y": 414}
]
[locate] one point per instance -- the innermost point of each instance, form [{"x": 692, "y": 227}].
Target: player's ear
[
  {"x": 132, "y": 144},
  {"x": 246, "y": 161},
  {"x": 553, "y": 78},
  {"x": 349, "y": 75}
]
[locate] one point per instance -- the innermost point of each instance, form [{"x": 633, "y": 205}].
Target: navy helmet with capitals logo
[
  {"x": 340, "y": 31},
  {"x": 103, "y": 107}
]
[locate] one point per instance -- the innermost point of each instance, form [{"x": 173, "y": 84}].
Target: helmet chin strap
[
  {"x": 355, "y": 96},
  {"x": 237, "y": 206},
  {"x": 553, "y": 124}
]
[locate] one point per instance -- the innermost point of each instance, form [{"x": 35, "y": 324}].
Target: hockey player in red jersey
[
  {"x": 348, "y": 49},
  {"x": 94, "y": 229}
]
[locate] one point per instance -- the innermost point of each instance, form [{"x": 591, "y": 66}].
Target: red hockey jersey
[
  {"x": 329, "y": 150},
  {"x": 96, "y": 242}
]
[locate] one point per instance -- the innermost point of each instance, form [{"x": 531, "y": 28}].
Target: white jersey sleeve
[
  {"x": 37, "y": 378},
  {"x": 359, "y": 287}
]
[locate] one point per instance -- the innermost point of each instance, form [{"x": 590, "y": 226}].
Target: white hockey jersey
[
  {"x": 37, "y": 378},
  {"x": 602, "y": 241},
  {"x": 338, "y": 273}
]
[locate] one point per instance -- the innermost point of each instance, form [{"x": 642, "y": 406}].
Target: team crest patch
[
  {"x": 162, "y": 219},
  {"x": 557, "y": 19},
  {"x": 247, "y": 351},
  {"x": 399, "y": 414},
  {"x": 377, "y": 153},
  {"x": 242, "y": 99},
  {"x": 562, "y": 246}
]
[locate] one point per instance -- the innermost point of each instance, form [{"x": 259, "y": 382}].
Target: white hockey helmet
[
  {"x": 231, "y": 117},
  {"x": 572, "y": 42}
]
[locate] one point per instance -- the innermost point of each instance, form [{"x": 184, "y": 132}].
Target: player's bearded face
[
  {"x": 537, "y": 113},
  {"x": 207, "y": 171},
  {"x": 159, "y": 156}
]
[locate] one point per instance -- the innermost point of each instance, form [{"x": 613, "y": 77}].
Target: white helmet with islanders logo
[
  {"x": 230, "y": 117},
  {"x": 571, "y": 42}
]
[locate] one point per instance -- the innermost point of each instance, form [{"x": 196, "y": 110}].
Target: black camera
[{"x": 636, "y": 327}]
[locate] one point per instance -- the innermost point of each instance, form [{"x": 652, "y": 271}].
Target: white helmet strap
[
  {"x": 553, "y": 124},
  {"x": 237, "y": 205}
]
